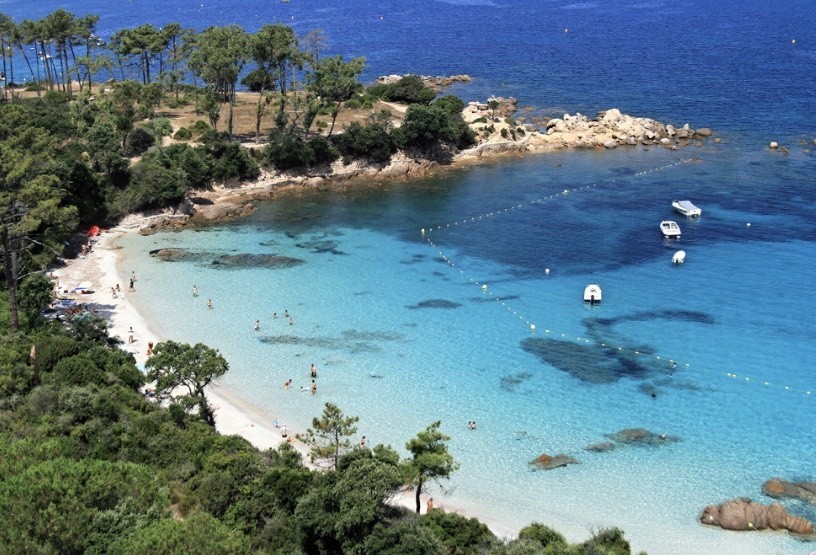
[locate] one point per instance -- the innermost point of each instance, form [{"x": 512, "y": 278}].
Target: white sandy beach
[{"x": 103, "y": 269}]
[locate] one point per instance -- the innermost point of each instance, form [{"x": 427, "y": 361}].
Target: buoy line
[
  {"x": 508, "y": 209},
  {"x": 564, "y": 336}
]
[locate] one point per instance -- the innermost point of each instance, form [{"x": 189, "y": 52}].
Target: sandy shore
[{"x": 102, "y": 269}]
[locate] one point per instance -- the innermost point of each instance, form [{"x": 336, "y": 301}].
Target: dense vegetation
[{"x": 88, "y": 463}]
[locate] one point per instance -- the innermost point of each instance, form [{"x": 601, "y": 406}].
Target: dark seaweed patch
[
  {"x": 588, "y": 363},
  {"x": 321, "y": 246},
  {"x": 512, "y": 381},
  {"x": 434, "y": 303},
  {"x": 243, "y": 261}
]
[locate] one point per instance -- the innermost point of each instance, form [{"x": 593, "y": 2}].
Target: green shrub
[
  {"x": 504, "y": 132},
  {"x": 286, "y": 151},
  {"x": 183, "y": 134},
  {"x": 461, "y": 535},
  {"x": 371, "y": 142},
  {"x": 139, "y": 140},
  {"x": 232, "y": 161},
  {"x": 481, "y": 119},
  {"x": 200, "y": 127},
  {"x": 408, "y": 90},
  {"x": 161, "y": 127}
]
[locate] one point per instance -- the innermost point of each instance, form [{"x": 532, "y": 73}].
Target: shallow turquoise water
[{"x": 376, "y": 295}]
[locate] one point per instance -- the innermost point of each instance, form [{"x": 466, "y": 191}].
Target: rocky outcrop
[
  {"x": 548, "y": 462},
  {"x": 743, "y": 514},
  {"x": 782, "y": 489},
  {"x": 641, "y": 436},
  {"x": 437, "y": 83},
  {"x": 612, "y": 128},
  {"x": 220, "y": 212}
]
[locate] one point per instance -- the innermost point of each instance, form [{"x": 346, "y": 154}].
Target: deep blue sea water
[{"x": 444, "y": 318}]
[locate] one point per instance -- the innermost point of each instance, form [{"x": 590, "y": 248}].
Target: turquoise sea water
[{"x": 376, "y": 295}]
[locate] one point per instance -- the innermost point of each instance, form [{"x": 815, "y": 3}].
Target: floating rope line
[
  {"x": 565, "y": 336},
  {"x": 562, "y": 194}
]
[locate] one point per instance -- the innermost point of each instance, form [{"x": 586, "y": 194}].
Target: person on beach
[
  {"x": 195, "y": 291},
  {"x": 149, "y": 348},
  {"x": 287, "y": 383},
  {"x": 363, "y": 442},
  {"x": 113, "y": 292},
  {"x": 314, "y": 387},
  {"x": 286, "y": 314},
  {"x": 257, "y": 325},
  {"x": 209, "y": 303},
  {"x": 118, "y": 289},
  {"x": 130, "y": 334},
  {"x": 284, "y": 432},
  {"x": 130, "y": 288},
  {"x": 133, "y": 276},
  {"x": 314, "y": 371},
  {"x": 429, "y": 505}
]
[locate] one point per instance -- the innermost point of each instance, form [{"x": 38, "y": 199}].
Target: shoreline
[{"x": 103, "y": 267}]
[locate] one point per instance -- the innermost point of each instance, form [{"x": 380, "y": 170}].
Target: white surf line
[{"x": 532, "y": 326}]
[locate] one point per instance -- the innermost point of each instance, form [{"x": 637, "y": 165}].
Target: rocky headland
[{"x": 498, "y": 132}]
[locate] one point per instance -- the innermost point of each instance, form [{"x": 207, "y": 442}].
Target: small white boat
[
  {"x": 592, "y": 293},
  {"x": 670, "y": 229},
  {"x": 686, "y": 208},
  {"x": 679, "y": 257}
]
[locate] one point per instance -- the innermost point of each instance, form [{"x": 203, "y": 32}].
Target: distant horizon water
[{"x": 407, "y": 328}]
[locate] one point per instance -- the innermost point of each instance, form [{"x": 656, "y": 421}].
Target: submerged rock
[
  {"x": 240, "y": 261},
  {"x": 780, "y": 489},
  {"x": 641, "y": 436},
  {"x": 434, "y": 303},
  {"x": 547, "y": 462},
  {"x": 743, "y": 514},
  {"x": 172, "y": 255},
  {"x": 602, "y": 447}
]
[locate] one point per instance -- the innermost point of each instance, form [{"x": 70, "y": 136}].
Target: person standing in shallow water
[
  {"x": 195, "y": 291},
  {"x": 313, "y": 371}
]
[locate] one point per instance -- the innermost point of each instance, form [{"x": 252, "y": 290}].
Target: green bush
[
  {"x": 481, "y": 119},
  {"x": 232, "y": 161},
  {"x": 200, "y": 127},
  {"x": 461, "y": 535},
  {"x": 371, "y": 142},
  {"x": 139, "y": 140},
  {"x": 161, "y": 127},
  {"x": 183, "y": 134},
  {"x": 408, "y": 90}
]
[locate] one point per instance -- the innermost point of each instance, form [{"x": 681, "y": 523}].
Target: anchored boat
[
  {"x": 592, "y": 293},
  {"x": 687, "y": 208},
  {"x": 670, "y": 229}
]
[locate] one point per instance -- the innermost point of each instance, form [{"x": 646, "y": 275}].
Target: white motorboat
[
  {"x": 679, "y": 257},
  {"x": 686, "y": 208},
  {"x": 670, "y": 229},
  {"x": 592, "y": 293}
]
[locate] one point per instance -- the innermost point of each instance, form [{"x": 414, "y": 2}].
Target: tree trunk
[{"x": 418, "y": 493}]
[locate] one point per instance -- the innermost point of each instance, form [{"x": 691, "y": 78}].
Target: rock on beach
[{"x": 742, "y": 514}]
